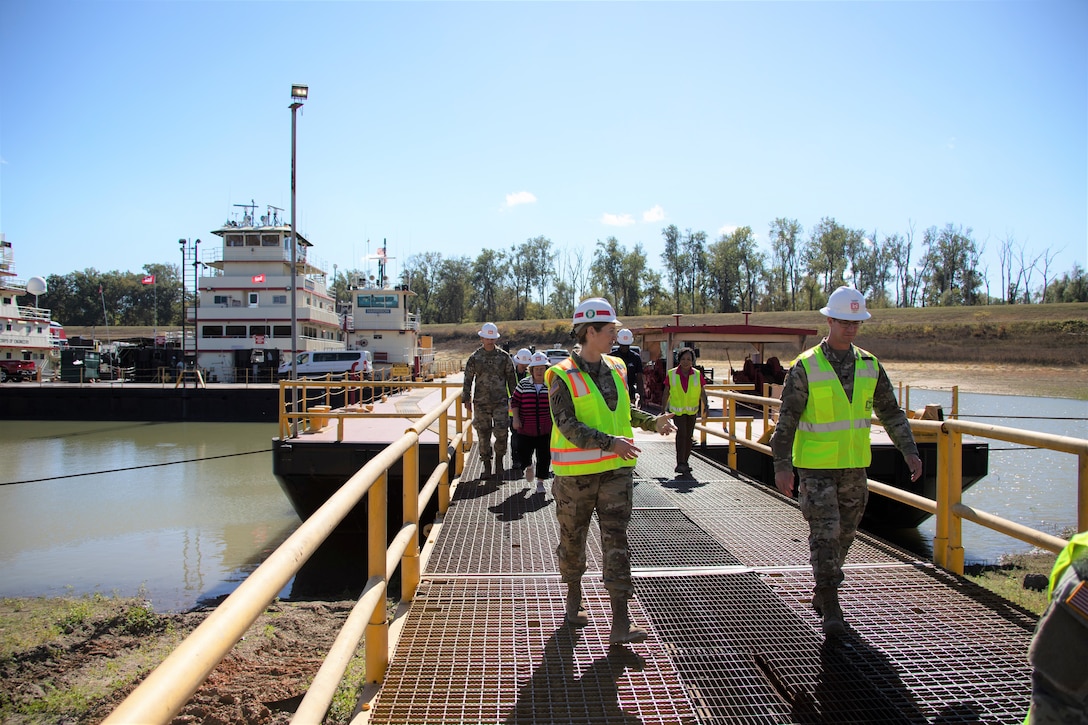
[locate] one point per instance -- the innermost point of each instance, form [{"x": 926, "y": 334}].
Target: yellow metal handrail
[
  {"x": 948, "y": 507},
  {"x": 172, "y": 683}
]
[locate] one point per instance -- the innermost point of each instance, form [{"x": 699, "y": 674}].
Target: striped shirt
[{"x": 531, "y": 403}]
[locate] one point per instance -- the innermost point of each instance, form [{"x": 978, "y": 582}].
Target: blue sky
[{"x": 451, "y": 127}]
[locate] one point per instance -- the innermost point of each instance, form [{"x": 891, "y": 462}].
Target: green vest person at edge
[
  {"x": 593, "y": 456},
  {"x": 823, "y": 428},
  {"x": 1059, "y": 649}
]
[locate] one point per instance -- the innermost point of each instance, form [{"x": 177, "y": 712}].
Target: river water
[
  {"x": 181, "y": 512},
  {"x": 177, "y": 511}
]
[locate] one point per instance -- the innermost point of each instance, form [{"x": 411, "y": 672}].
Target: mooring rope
[{"x": 134, "y": 468}]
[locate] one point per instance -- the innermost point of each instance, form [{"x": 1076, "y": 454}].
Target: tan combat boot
[
  {"x": 623, "y": 632},
  {"x": 576, "y": 608}
]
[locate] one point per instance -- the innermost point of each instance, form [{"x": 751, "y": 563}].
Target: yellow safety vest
[
  {"x": 685, "y": 402},
  {"x": 567, "y": 458},
  {"x": 834, "y": 431},
  {"x": 1073, "y": 550}
]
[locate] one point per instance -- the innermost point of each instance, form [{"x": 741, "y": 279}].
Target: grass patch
[{"x": 1006, "y": 579}]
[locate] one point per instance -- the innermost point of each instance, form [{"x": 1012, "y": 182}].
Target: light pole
[
  {"x": 299, "y": 93},
  {"x": 196, "y": 312},
  {"x": 181, "y": 269}
]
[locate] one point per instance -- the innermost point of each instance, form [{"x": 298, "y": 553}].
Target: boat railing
[
  {"x": 166, "y": 689},
  {"x": 28, "y": 312},
  {"x": 948, "y": 506}
]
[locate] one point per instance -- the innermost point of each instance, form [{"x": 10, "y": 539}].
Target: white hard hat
[
  {"x": 624, "y": 337},
  {"x": 846, "y": 303},
  {"x": 595, "y": 309},
  {"x": 539, "y": 360},
  {"x": 523, "y": 356},
  {"x": 489, "y": 331}
]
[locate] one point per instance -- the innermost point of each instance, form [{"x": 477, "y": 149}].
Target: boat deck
[{"x": 723, "y": 585}]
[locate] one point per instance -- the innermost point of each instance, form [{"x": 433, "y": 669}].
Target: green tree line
[{"x": 538, "y": 280}]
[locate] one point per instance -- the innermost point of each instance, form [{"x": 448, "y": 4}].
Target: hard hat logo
[
  {"x": 591, "y": 314},
  {"x": 854, "y": 306}
]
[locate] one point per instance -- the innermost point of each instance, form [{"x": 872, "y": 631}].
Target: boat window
[
  {"x": 221, "y": 300},
  {"x": 378, "y": 301},
  {"x": 235, "y": 240},
  {"x": 211, "y": 331},
  {"x": 279, "y": 299},
  {"x": 253, "y": 240},
  {"x": 270, "y": 240},
  {"x": 255, "y": 330},
  {"x": 236, "y": 331},
  {"x": 281, "y": 331}
]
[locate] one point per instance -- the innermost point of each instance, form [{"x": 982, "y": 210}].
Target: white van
[{"x": 334, "y": 362}]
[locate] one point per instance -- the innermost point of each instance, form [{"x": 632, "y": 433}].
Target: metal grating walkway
[{"x": 722, "y": 583}]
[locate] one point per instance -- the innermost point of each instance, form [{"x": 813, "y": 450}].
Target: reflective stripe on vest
[
  {"x": 684, "y": 402},
  {"x": 591, "y": 409},
  {"x": 833, "y": 431}
]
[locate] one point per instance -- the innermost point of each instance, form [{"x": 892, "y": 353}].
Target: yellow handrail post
[
  {"x": 377, "y": 631},
  {"x": 955, "y": 401},
  {"x": 1082, "y": 492},
  {"x": 955, "y": 496},
  {"x": 944, "y": 508},
  {"x": 443, "y": 453},
  {"x": 410, "y": 561},
  {"x": 732, "y": 434}
]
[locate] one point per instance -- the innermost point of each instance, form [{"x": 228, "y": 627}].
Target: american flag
[
  {"x": 149, "y": 279},
  {"x": 258, "y": 278}
]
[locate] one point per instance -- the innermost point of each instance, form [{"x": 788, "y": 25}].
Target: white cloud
[
  {"x": 951, "y": 143},
  {"x": 617, "y": 220},
  {"x": 520, "y": 197},
  {"x": 655, "y": 214},
  {"x": 727, "y": 229}
]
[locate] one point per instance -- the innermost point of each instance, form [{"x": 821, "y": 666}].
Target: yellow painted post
[
  {"x": 732, "y": 416},
  {"x": 377, "y": 631},
  {"x": 944, "y": 510},
  {"x": 409, "y": 563},
  {"x": 955, "y": 494},
  {"x": 955, "y": 401},
  {"x": 443, "y": 446},
  {"x": 1082, "y": 492}
]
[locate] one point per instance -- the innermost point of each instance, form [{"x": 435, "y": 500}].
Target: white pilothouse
[{"x": 243, "y": 319}]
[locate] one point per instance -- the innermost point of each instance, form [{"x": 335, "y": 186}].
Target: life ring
[{"x": 363, "y": 342}]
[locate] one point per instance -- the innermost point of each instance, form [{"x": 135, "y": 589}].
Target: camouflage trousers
[
  {"x": 611, "y": 494},
  {"x": 488, "y": 421},
  {"x": 833, "y": 502}
]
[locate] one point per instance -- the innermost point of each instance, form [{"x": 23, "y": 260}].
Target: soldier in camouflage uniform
[
  {"x": 492, "y": 370},
  {"x": 609, "y": 487},
  {"x": 833, "y": 495}
]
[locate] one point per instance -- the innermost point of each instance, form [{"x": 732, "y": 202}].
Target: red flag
[
  {"x": 149, "y": 279},
  {"x": 381, "y": 254},
  {"x": 258, "y": 278}
]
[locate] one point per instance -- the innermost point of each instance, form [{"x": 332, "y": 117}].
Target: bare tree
[{"x": 1048, "y": 257}]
